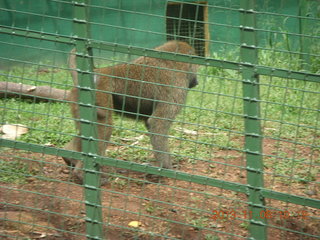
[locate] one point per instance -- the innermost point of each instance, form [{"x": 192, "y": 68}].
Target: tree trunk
[{"x": 38, "y": 93}]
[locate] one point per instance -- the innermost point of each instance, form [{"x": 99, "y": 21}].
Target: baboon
[{"x": 152, "y": 90}]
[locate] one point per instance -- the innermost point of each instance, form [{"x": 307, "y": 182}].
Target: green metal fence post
[
  {"x": 88, "y": 117},
  {"x": 253, "y": 139}
]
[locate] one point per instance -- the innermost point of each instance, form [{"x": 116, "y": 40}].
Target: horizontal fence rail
[
  {"x": 132, "y": 50},
  {"x": 163, "y": 172}
]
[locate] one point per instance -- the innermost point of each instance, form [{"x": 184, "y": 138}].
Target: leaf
[
  {"x": 134, "y": 224},
  {"x": 13, "y": 131}
]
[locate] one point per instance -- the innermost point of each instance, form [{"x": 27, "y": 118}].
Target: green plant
[
  {"x": 245, "y": 225},
  {"x": 13, "y": 172},
  {"x": 199, "y": 223},
  {"x": 211, "y": 237}
]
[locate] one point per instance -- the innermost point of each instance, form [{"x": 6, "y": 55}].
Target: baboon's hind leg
[
  {"x": 104, "y": 130},
  {"x": 158, "y": 125}
]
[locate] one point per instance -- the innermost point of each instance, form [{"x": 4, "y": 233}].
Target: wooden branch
[{"x": 39, "y": 93}]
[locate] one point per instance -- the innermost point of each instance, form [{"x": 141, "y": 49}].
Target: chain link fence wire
[{"x": 245, "y": 145}]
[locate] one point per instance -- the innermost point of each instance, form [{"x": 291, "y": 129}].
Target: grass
[
  {"x": 13, "y": 171},
  {"x": 47, "y": 122},
  {"x": 212, "y": 120}
]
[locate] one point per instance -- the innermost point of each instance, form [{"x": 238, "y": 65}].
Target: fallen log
[{"x": 37, "y": 93}]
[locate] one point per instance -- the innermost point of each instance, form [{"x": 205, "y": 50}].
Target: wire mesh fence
[{"x": 244, "y": 142}]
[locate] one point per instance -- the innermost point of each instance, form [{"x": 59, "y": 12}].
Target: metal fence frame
[{"x": 250, "y": 69}]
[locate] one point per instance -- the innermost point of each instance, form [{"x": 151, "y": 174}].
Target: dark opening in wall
[{"x": 186, "y": 22}]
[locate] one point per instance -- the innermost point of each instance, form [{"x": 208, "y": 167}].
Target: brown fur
[{"x": 156, "y": 98}]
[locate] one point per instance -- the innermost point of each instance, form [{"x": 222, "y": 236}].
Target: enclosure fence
[{"x": 246, "y": 144}]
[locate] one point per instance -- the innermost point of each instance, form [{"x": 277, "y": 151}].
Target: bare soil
[{"x": 50, "y": 205}]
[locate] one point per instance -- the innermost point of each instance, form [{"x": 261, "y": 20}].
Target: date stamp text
[{"x": 264, "y": 214}]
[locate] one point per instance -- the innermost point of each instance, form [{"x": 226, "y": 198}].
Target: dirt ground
[{"x": 50, "y": 205}]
